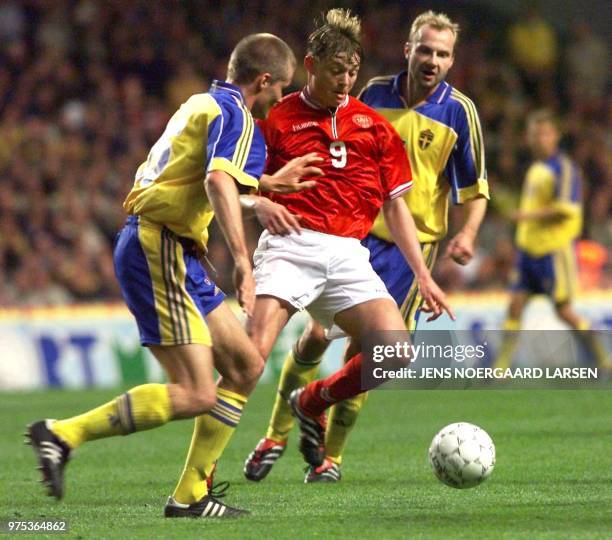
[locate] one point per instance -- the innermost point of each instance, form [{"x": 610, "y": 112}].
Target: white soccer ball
[{"x": 462, "y": 455}]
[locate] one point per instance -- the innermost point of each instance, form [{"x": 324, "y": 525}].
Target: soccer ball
[{"x": 462, "y": 455}]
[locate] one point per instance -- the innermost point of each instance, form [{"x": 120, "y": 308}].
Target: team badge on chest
[
  {"x": 362, "y": 120},
  {"x": 425, "y": 138}
]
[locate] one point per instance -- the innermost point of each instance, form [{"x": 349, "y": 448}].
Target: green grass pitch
[{"x": 553, "y": 477}]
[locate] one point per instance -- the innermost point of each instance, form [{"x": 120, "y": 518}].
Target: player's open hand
[
  {"x": 460, "y": 248},
  {"x": 434, "y": 299},
  {"x": 290, "y": 178},
  {"x": 276, "y": 218},
  {"x": 244, "y": 282}
]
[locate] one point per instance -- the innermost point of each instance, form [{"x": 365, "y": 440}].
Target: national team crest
[
  {"x": 425, "y": 138},
  {"x": 362, "y": 120}
]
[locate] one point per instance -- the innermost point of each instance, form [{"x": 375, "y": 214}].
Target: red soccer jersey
[{"x": 365, "y": 162}]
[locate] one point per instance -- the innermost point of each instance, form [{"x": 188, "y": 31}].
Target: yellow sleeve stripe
[
  {"x": 567, "y": 208},
  {"x": 565, "y": 193},
  {"x": 480, "y": 188},
  {"x": 243, "y": 146},
  {"x": 223, "y": 164},
  {"x": 476, "y": 139}
]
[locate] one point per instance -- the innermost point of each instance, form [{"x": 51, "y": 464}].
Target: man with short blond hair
[
  {"x": 210, "y": 149},
  {"x": 437, "y": 21}
]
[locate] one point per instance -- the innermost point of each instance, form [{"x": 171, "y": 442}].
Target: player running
[
  {"x": 210, "y": 149},
  {"x": 549, "y": 221},
  {"x": 326, "y": 269},
  {"x": 443, "y": 138}
]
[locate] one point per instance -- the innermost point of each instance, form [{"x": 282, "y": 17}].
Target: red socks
[{"x": 345, "y": 383}]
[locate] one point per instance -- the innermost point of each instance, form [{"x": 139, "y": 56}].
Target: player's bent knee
[
  {"x": 254, "y": 371},
  {"x": 245, "y": 378},
  {"x": 315, "y": 333},
  {"x": 204, "y": 402},
  {"x": 310, "y": 352},
  {"x": 400, "y": 359},
  {"x": 260, "y": 342},
  {"x": 312, "y": 344}
]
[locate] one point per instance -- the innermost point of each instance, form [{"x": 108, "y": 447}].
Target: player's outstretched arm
[
  {"x": 404, "y": 233},
  {"x": 547, "y": 213},
  {"x": 461, "y": 246},
  {"x": 273, "y": 216},
  {"x": 290, "y": 177},
  {"x": 223, "y": 196}
]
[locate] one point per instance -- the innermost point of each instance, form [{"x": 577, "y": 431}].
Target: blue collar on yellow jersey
[
  {"x": 440, "y": 95},
  {"x": 222, "y": 86}
]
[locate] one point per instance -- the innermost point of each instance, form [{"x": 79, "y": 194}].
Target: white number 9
[{"x": 338, "y": 150}]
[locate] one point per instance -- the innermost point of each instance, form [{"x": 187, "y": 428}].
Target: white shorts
[{"x": 322, "y": 273}]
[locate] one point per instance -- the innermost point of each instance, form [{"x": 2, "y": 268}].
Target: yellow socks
[
  {"x": 593, "y": 345},
  {"x": 148, "y": 406},
  {"x": 211, "y": 434},
  {"x": 508, "y": 344},
  {"x": 143, "y": 407},
  {"x": 339, "y": 425},
  {"x": 295, "y": 374}
]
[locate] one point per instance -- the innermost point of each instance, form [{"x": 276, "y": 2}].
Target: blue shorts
[
  {"x": 553, "y": 274},
  {"x": 389, "y": 263},
  {"x": 164, "y": 285}
]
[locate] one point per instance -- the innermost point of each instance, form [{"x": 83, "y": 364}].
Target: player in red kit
[
  {"x": 366, "y": 161},
  {"x": 324, "y": 268}
]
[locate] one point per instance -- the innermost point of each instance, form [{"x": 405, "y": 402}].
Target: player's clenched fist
[{"x": 461, "y": 249}]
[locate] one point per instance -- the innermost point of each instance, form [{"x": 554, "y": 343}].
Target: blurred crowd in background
[{"x": 87, "y": 86}]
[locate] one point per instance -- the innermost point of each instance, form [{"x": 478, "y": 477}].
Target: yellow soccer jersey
[
  {"x": 212, "y": 131},
  {"x": 444, "y": 144},
  {"x": 554, "y": 183}
]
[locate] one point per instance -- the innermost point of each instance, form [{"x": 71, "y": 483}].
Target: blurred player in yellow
[
  {"x": 210, "y": 149},
  {"x": 442, "y": 134},
  {"x": 549, "y": 221}
]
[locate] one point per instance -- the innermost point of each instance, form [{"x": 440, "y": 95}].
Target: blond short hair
[
  {"x": 438, "y": 21},
  {"x": 338, "y": 33},
  {"x": 261, "y": 53},
  {"x": 543, "y": 116}
]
